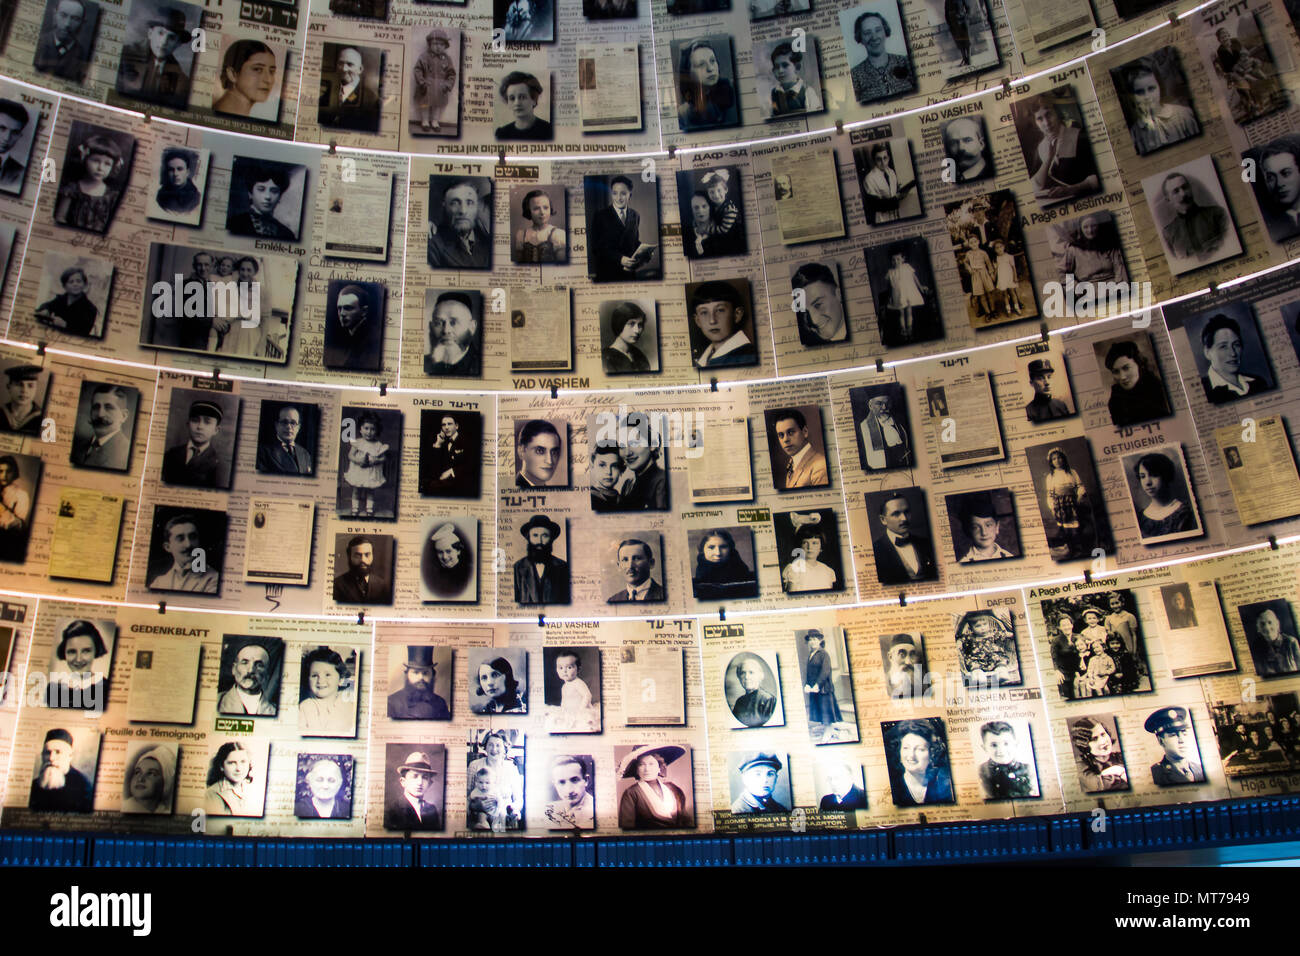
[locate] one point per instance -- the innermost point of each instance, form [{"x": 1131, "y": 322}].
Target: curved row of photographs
[
  {"x": 1175, "y": 684},
  {"x": 529, "y": 75}
]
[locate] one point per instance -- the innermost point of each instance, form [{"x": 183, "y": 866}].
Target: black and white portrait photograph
[
  {"x": 1069, "y": 499},
  {"x": 632, "y": 567},
  {"x": 354, "y": 325},
  {"x": 362, "y": 9},
  {"x": 266, "y": 199},
  {"x": 63, "y": 775},
  {"x": 706, "y": 83},
  {"x": 451, "y": 453},
  {"x": 202, "y": 425},
  {"x": 571, "y": 803},
  {"x": 571, "y": 690},
  {"x": 988, "y": 243},
  {"x": 808, "y": 550},
  {"x": 656, "y": 787},
  {"x": 1156, "y": 99},
  {"x": 453, "y": 333},
  {"x": 236, "y": 780},
  {"x": 1054, "y": 143},
  {"x": 1258, "y": 736},
  {"x": 74, "y": 293},
  {"x": 449, "y": 560},
  {"x": 887, "y": 180},
  {"x": 248, "y": 683},
  {"x": 328, "y": 686},
  {"x": 880, "y": 64},
  {"x": 1096, "y": 644},
  {"x": 904, "y": 292},
  {"x": 881, "y": 425},
  {"x": 415, "y": 785},
  {"x": 916, "y": 752},
  {"x": 982, "y": 525},
  {"x": 370, "y": 450},
  {"x": 627, "y": 463},
  {"x": 1229, "y": 352},
  {"x": 419, "y": 682},
  {"x": 1188, "y": 207},
  {"x": 67, "y": 38},
  {"x": 1098, "y": 754},
  {"x": 182, "y": 180},
  {"x": 350, "y": 78},
  {"x": 901, "y": 542},
  {"x": 839, "y": 785},
  {"x": 964, "y": 36},
  {"x": 1087, "y": 249},
  {"x": 187, "y": 550},
  {"x": 20, "y": 476},
  {"x": 435, "y": 82},
  {"x": 538, "y": 224},
  {"x": 363, "y": 568},
  {"x": 611, "y": 9},
  {"x": 759, "y": 782},
  {"x": 251, "y": 77},
  {"x": 711, "y": 207},
  {"x": 27, "y": 387},
  {"x": 817, "y": 300},
  {"x": 1047, "y": 380},
  {"x": 1129, "y": 365},
  {"x": 987, "y": 656},
  {"x": 1270, "y": 628},
  {"x": 796, "y": 447},
  {"x": 523, "y": 100},
  {"x": 1179, "y": 760},
  {"x": 789, "y": 80},
  {"x": 541, "y": 453},
  {"x": 1004, "y": 752},
  {"x": 323, "y": 787},
  {"x": 287, "y": 438},
  {"x": 460, "y": 222},
  {"x": 1242, "y": 69},
  {"x": 903, "y": 659},
  {"x": 967, "y": 149},
  {"x": 525, "y": 21},
  {"x": 629, "y": 336},
  {"x": 721, "y": 323},
  {"x": 541, "y": 572},
  {"x": 105, "y": 426},
  {"x": 1276, "y": 184},
  {"x": 497, "y": 680},
  {"x": 1180, "y": 607},
  {"x": 157, "y": 61},
  {"x": 1161, "y": 495},
  {"x": 79, "y": 664},
  {"x": 96, "y": 169},
  {"x": 18, "y": 125},
  {"x": 724, "y": 563},
  {"x": 825, "y": 678},
  {"x": 622, "y": 214},
  {"x": 149, "y": 783},
  {"x": 494, "y": 780},
  {"x": 751, "y": 684},
  {"x": 764, "y": 9}
]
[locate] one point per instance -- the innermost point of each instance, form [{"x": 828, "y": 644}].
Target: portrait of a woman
[
  {"x": 248, "y": 77},
  {"x": 918, "y": 765},
  {"x": 819, "y": 686},
  {"x": 627, "y": 322},
  {"x": 1066, "y": 656},
  {"x": 70, "y": 310},
  {"x": 1165, "y": 514},
  {"x": 1093, "y": 254},
  {"x": 653, "y": 802},
  {"x": 1137, "y": 394},
  {"x": 521, "y": 92},
  {"x": 496, "y": 787},
  {"x": 541, "y": 240},
  {"x": 1101, "y": 762},
  {"x": 706, "y": 99},
  {"x": 721, "y": 573},
  {"x": 321, "y": 792},
  {"x": 497, "y": 691},
  {"x": 231, "y": 789},
  {"x": 328, "y": 704},
  {"x": 151, "y": 781}
]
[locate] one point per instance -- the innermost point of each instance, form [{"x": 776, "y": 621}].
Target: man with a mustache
[
  {"x": 58, "y": 784},
  {"x": 1196, "y": 231},
  {"x": 901, "y": 555},
  {"x": 250, "y": 672},
  {"x": 964, "y": 144},
  {"x": 415, "y": 700},
  {"x": 351, "y": 104},
  {"x": 359, "y": 584},
  {"x": 459, "y": 240},
  {"x": 182, "y": 541},
  {"x": 106, "y": 447},
  {"x": 453, "y": 337},
  {"x": 541, "y": 578}
]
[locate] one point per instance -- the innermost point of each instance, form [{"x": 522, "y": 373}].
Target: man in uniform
[
  {"x": 416, "y": 699},
  {"x": 1195, "y": 231},
  {"x": 758, "y": 776},
  {"x": 22, "y": 413},
  {"x": 1173, "y": 729},
  {"x": 1042, "y": 407}
]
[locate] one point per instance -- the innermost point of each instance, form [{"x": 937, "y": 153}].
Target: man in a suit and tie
[
  {"x": 408, "y": 810},
  {"x": 106, "y": 447},
  {"x": 196, "y": 462},
  {"x": 636, "y": 561},
  {"x": 359, "y": 584},
  {"x": 284, "y": 456},
  {"x": 250, "y": 674},
  {"x": 13, "y": 120},
  {"x": 148, "y": 71},
  {"x": 805, "y": 467},
  {"x": 351, "y": 104},
  {"x": 615, "y": 236},
  {"x": 845, "y": 793},
  {"x": 902, "y": 556}
]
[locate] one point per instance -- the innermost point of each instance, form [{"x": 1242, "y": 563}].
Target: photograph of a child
[
  {"x": 904, "y": 292},
  {"x": 1010, "y": 771},
  {"x": 1096, "y": 645},
  {"x": 789, "y": 80},
  {"x": 712, "y": 212},
  {"x": 986, "y": 649},
  {"x": 96, "y": 169},
  {"x": 571, "y": 690},
  {"x": 495, "y": 780},
  {"x": 370, "y": 450},
  {"x": 988, "y": 243}
]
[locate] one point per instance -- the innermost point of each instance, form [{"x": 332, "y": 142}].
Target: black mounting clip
[
  {"x": 902, "y": 599},
  {"x": 880, "y": 365},
  {"x": 501, "y": 157},
  {"x": 541, "y": 620},
  {"x": 216, "y": 375},
  {"x": 1272, "y": 541},
  {"x": 672, "y": 153},
  {"x": 713, "y": 385},
  {"x": 555, "y": 392},
  {"x": 1087, "y": 575},
  {"x": 722, "y": 614},
  {"x": 383, "y": 389},
  {"x": 334, "y": 146},
  {"x": 1044, "y": 331},
  {"x": 361, "y": 618},
  {"x": 839, "y": 127},
  {"x": 162, "y": 607},
  {"x": 40, "y": 348}
]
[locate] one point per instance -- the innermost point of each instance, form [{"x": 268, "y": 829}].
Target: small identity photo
[
  {"x": 67, "y": 38},
  {"x": 982, "y": 525},
  {"x": 571, "y": 690},
  {"x": 248, "y": 683},
  {"x": 449, "y": 560},
  {"x": 1188, "y": 207},
  {"x": 80, "y": 664},
  {"x": 1070, "y": 502},
  {"x": 157, "y": 60},
  {"x": 354, "y": 325},
  {"x": 839, "y": 784},
  {"x": 266, "y": 199},
  {"x": 706, "y": 89},
  {"x": 1088, "y": 249},
  {"x": 751, "y": 684},
  {"x": 879, "y": 58},
  {"x": 329, "y": 683},
  {"x": 1270, "y": 628},
  {"x": 236, "y": 780},
  {"x": 903, "y": 657},
  {"x": 497, "y": 680},
  {"x": 1054, "y": 143},
  {"x": 901, "y": 543},
  {"x": 105, "y": 426},
  {"x": 415, "y": 785},
  {"x": 656, "y": 789},
  {"x": 888, "y": 181},
  {"x": 453, "y": 333},
  {"x": 1156, "y": 99},
  {"x": 1180, "y": 607},
  {"x": 350, "y": 78},
  {"x": 796, "y": 447},
  {"x": 525, "y": 21},
  {"x": 725, "y": 563},
  {"x": 202, "y": 427},
  {"x": 364, "y": 568},
  {"x": 986, "y": 649},
  {"x": 96, "y": 170},
  {"x": 789, "y": 80},
  {"x": 323, "y": 787},
  {"x": 419, "y": 682},
  {"x": 494, "y": 780},
  {"x": 523, "y": 101},
  {"x": 904, "y": 292},
  {"x": 1161, "y": 494},
  {"x": 182, "y": 184},
  {"x": 1179, "y": 756},
  {"x": 63, "y": 776},
  {"x": 252, "y": 74},
  {"x": 460, "y": 222},
  {"x": 1137, "y": 390},
  {"x": 287, "y": 437},
  {"x": 370, "y": 450},
  {"x": 808, "y": 550},
  {"x": 18, "y": 126},
  {"x": 629, "y": 336},
  {"x": 538, "y": 224},
  {"x": 916, "y": 752},
  {"x": 541, "y": 453},
  {"x": 451, "y": 453},
  {"x": 1098, "y": 755},
  {"x": 149, "y": 781},
  {"x": 759, "y": 782},
  {"x": 721, "y": 323},
  {"x": 74, "y": 293},
  {"x": 881, "y": 426},
  {"x": 817, "y": 300},
  {"x": 1097, "y": 646},
  {"x": 1229, "y": 352},
  {"x": 187, "y": 550},
  {"x": 571, "y": 797},
  {"x": 1276, "y": 185},
  {"x": 827, "y": 685},
  {"x": 967, "y": 145},
  {"x": 1248, "y": 78},
  {"x": 712, "y": 212},
  {"x": 21, "y": 476},
  {"x": 1008, "y": 771}
]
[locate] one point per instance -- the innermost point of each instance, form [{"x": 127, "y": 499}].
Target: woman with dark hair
[
  {"x": 805, "y": 572},
  {"x": 70, "y": 310},
  {"x": 919, "y": 774},
  {"x": 498, "y": 688},
  {"x": 720, "y": 573},
  {"x": 698, "y": 234},
  {"x": 705, "y": 97},
  {"x": 86, "y": 200},
  {"x": 80, "y": 685},
  {"x": 248, "y": 77},
  {"x": 521, "y": 92},
  {"x": 652, "y": 803},
  {"x": 496, "y": 787},
  {"x": 1137, "y": 394},
  {"x": 177, "y": 192},
  {"x": 821, "y": 320},
  {"x": 1124, "y": 679},
  {"x": 819, "y": 687},
  {"x": 1094, "y": 253},
  {"x": 323, "y": 709},
  {"x": 1166, "y": 513},
  {"x": 627, "y": 321},
  {"x": 540, "y": 240},
  {"x": 1154, "y": 124},
  {"x": 230, "y": 776},
  {"x": 1066, "y": 496},
  {"x": 1066, "y": 656},
  {"x": 1101, "y": 764},
  {"x": 265, "y": 185}
]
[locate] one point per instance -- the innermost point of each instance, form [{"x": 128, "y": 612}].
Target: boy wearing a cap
[
  {"x": 196, "y": 463},
  {"x": 21, "y": 413},
  {"x": 758, "y": 776}
]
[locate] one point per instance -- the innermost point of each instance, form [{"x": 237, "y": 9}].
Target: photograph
[
  {"x": 1087, "y": 250},
  {"x": 1055, "y": 147},
  {"x": 614, "y": 207},
  {"x": 982, "y": 525},
  {"x": 633, "y": 568},
  {"x": 460, "y": 222},
  {"x": 964, "y": 36},
  {"x": 967, "y": 149},
  {"x": 415, "y": 786},
  {"x": 1161, "y": 494},
  {"x": 250, "y": 675},
  {"x": 435, "y": 82},
  {"x": 541, "y": 453},
  {"x": 1175, "y": 742},
  {"x": 27, "y": 387},
  {"x": 900, "y": 536},
  {"x": 251, "y": 77},
  {"x": 63, "y": 776},
  {"x": 453, "y": 333},
  {"x": 266, "y": 199},
  {"x": 236, "y": 780},
  {"x": 350, "y": 95},
  {"x": 74, "y": 293},
  {"x": 840, "y": 785},
  {"x": 879, "y": 59},
  {"x": 187, "y": 550},
  {"x": 763, "y": 9},
  {"x": 364, "y": 563},
  {"x": 629, "y": 336},
  {"x": 523, "y": 101},
  {"x": 571, "y": 690},
  {"x": 1137, "y": 390},
  {"x": 419, "y": 682},
  {"x": 888, "y": 181},
  {"x": 157, "y": 60},
  {"x": 627, "y": 468},
  {"x": 287, "y": 436},
  {"x": 18, "y": 127},
  {"x": 1241, "y": 68},
  {"x": 827, "y": 685},
  {"x": 571, "y": 798},
  {"x": 1188, "y": 207},
  {"x": 96, "y": 170},
  {"x": 986, "y": 649},
  {"x": 796, "y": 447},
  {"x": 541, "y": 576},
  {"x": 370, "y": 442},
  {"x": 538, "y": 220},
  {"x": 656, "y": 788},
  {"x": 706, "y": 87},
  {"x": 988, "y": 244},
  {"x": 1096, "y": 645},
  {"x": 711, "y": 207},
  {"x": 329, "y": 684},
  {"x": 498, "y": 680},
  {"x": 916, "y": 752},
  {"x": 1270, "y": 628},
  {"x": 525, "y": 21},
  {"x": 751, "y": 684},
  {"x": 66, "y": 39},
  {"x": 182, "y": 185},
  {"x": 449, "y": 560},
  {"x": 808, "y": 550},
  {"x": 451, "y": 453},
  {"x": 817, "y": 300},
  {"x": 1070, "y": 502},
  {"x": 149, "y": 782},
  {"x": 1276, "y": 185},
  {"x": 1156, "y": 98},
  {"x": 725, "y": 563},
  {"x": 1049, "y": 394},
  {"x": 1180, "y": 607},
  {"x": 903, "y": 659},
  {"x": 904, "y": 292},
  {"x": 79, "y": 665},
  {"x": 759, "y": 782},
  {"x": 494, "y": 780},
  {"x": 1259, "y": 736},
  {"x": 789, "y": 80},
  {"x": 1229, "y": 352},
  {"x": 1098, "y": 756},
  {"x": 354, "y": 325},
  {"x": 1007, "y": 770},
  {"x": 363, "y": 9},
  {"x": 610, "y": 9},
  {"x": 880, "y": 423},
  {"x": 721, "y": 323},
  {"x": 323, "y": 787},
  {"x": 202, "y": 426}
]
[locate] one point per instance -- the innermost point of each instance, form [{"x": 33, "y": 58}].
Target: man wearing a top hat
[
  {"x": 1042, "y": 407},
  {"x": 196, "y": 462},
  {"x": 1173, "y": 729},
  {"x": 59, "y": 785},
  {"x": 415, "y": 700},
  {"x": 540, "y": 577},
  {"x": 758, "y": 776},
  {"x": 408, "y": 809},
  {"x": 22, "y": 413},
  {"x": 148, "y": 71}
]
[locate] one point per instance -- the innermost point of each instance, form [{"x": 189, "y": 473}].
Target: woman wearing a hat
[
  {"x": 652, "y": 803},
  {"x": 150, "y": 780}
]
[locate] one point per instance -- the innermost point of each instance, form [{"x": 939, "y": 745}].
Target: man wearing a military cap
[
  {"x": 196, "y": 462},
  {"x": 22, "y": 413},
  {"x": 1173, "y": 729},
  {"x": 758, "y": 776},
  {"x": 1042, "y": 407}
]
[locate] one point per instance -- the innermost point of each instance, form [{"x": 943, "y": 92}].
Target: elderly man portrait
[
  {"x": 353, "y": 335},
  {"x": 254, "y": 689},
  {"x": 459, "y": 240},
  {"x": 1194, "y": 231},
  {"x": 885, "y": 443},
  {"x": 349, "y": 103},
  {"x": 755, "y": 706},
  {"x": 181, "y": 541},
  {"x": 636, "y": 561},
  {"x": 453, "y": 342},
  {"x": 21, "y": 413},
  {"x": 415, "y": 699},
  {"x": 360, "y": 583},
  {"x": 901, "y": 555},
  {"x": 802, "y": 466},
  {"x": 406, "y": 808},
  {"x": 845, "y": 794},
  {"x": 540, "y": 577},
  {"x": 13, "y": 167},
  {"x": 59, "y": 50},
  {"x": 196, "y": 461},
  {"x": 904, "y": 666},
  {"x": 964, "y": 143},
  {"x": 1273, "y": 651},
  {"x": 106, "y": 446},
  {"x": 282, "y": 455},
  {"x": 58, "y": 785},
  {"x": 148, "y": 70}
]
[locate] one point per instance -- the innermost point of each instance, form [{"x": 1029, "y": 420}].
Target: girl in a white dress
[
  {"x": 905, "y": 290},
  {"x": 1007, "y": 283},
  {"x": 366, "y": 458}
]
